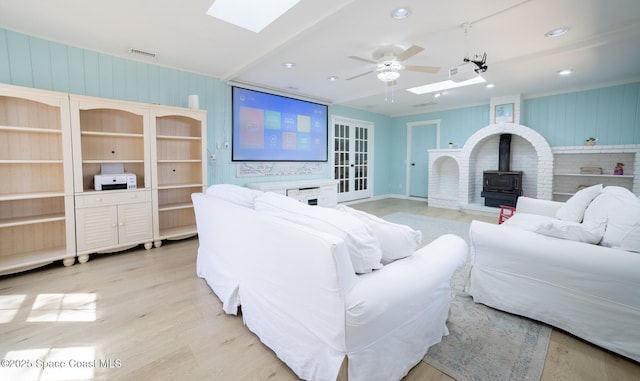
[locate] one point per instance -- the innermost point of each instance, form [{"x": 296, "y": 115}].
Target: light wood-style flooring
[{"x": 144, "y": 315}]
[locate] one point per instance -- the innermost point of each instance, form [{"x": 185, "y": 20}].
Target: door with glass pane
[{"x": 353, "y": 143}]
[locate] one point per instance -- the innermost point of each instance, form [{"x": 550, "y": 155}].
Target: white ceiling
[{"x": 602, "y": 46}]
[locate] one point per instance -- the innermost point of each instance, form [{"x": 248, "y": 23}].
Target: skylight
[
  {"x": 253, "y": 15},
  {"x": 444, "y": 85}
]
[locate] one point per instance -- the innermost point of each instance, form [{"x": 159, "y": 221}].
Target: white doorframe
[
  {"x": 410, "y": 126},
  {"x": 371, "y": 132}
]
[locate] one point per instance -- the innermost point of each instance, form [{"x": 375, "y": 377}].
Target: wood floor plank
[{"x": 162, "y": 322}]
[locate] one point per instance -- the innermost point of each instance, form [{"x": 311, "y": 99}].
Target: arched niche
[{"x": 477, "y": 146}]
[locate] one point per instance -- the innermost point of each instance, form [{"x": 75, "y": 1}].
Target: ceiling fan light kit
[
  {"x": 388, "y": 63},
  {"x": 388, "y": 75}
]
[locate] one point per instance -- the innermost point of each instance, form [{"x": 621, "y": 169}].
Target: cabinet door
[
  {"x": 134, "y": 223},
  {"x": 96, "y": 227}
]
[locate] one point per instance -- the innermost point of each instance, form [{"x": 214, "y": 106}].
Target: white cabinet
[
  {"x": 314, "y": 192},
  {"x": 51, "y": 147},
  {"x": 37, "y": 224},
  {"x": 568, "y": 175},
  {"x": 110, "y": 221},
  {"x": 111, "y": 132}
]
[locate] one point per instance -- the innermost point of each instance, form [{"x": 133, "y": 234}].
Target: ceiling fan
[{"x": 389, "y": 63}]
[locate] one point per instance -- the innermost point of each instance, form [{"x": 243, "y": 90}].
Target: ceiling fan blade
[
  {"x": 410, "y": 52},
  {"x": 359, "y": 75},
  {"x": 362, "y": 59},
  {"x": 423, "y": 69}
]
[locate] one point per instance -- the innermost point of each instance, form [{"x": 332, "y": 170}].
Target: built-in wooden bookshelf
[
  {"x": 178, "y": 169},
  {"x": 37, "y": 223},
  {"x": 111, "y": 132},
  {"x": 51, "y": 147}
]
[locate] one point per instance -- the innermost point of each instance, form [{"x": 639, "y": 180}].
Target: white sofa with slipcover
[
  {"x": 573, "y": 265},
  {"x": 293, "y": 270}
]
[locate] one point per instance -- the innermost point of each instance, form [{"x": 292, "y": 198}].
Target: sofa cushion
[
  {"x": 574, "y": 208},
  {"x": 235, "y": 194},
  {"x": 527, "y": 221},
  {"x": 396, "y": 240},
  {"x": 364, "y": 249},
  {"x": 588, "y": 232},
  {"x": 621, "y": 208}
]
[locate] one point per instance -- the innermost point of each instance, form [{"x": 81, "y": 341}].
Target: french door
[{"x": 352, "y": 159}]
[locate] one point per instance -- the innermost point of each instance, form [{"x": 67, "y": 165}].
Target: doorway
[
  {"x": 421, "y": 137},
  {"x": 353, "y": 154}
]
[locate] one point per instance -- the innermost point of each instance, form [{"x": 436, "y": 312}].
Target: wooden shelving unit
[
  {"x": 37, "y": 224},
  {"x": 179, "y": 169},
  {"x": 111, "y": 132},
  {"x": 51, "y": 147}
]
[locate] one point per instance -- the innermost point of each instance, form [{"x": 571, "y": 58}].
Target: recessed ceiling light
[
  {"x": 565, "y": 72},
  {"x": 400, "y": 13},
  {"x": 289, "y": 65},
  {"x": 490, "y": 85},
  {"x": 333, "y": 78},
  {"x": 557, "y": 32}
]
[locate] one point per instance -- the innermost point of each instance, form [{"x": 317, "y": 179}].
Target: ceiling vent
[
  {"x": 142, "y": 53},
  {"x": 425, "y": 104}
]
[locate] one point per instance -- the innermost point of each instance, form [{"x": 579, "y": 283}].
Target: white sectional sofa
[
  {"x": 299, "y": 292},
  {"x": 573, "y": 265}
]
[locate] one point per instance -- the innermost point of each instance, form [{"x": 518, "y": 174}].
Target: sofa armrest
[
  {"x": 538, "y": 206},
  {"x": 402, "y": 290}
]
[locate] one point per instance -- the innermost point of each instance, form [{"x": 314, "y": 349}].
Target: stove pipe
[{"x": 504, "y": 153}]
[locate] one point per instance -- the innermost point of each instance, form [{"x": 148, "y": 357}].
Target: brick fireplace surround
[{"x": 455, "y": 175}]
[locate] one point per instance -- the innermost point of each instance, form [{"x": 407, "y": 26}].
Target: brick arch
[{"x": 539, "y": 143}]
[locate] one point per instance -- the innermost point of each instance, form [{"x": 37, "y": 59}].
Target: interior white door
[
  {"x": 353, "y": 143},
  {"x": 422, "y": 138}
]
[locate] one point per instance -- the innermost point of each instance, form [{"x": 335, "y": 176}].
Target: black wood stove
[{"x": 502, "y": 187}]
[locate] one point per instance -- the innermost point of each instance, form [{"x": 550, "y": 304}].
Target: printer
[{"x": 113, "y": 176}]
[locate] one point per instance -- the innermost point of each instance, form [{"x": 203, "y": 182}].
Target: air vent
[
  {"x": 142, "y": 53},
  {"x": 425, "y": 104}
]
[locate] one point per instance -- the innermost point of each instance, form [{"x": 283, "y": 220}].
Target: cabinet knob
[
  {"x": 134, "y": 196},
  {"x": 121, "y": 224},
  {"x": 98, "y": 198},
  {"x": 114, "y": 225}
]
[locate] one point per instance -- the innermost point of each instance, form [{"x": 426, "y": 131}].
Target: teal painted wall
[
  {"x": 455, "y": 126},
  {"x": 612, "y": 114}
]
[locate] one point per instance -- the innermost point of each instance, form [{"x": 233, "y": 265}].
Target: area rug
[{"x": 483, "y": 343}]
